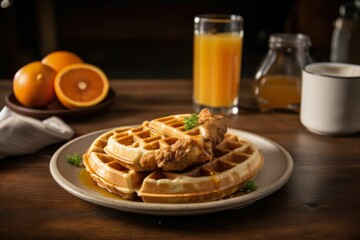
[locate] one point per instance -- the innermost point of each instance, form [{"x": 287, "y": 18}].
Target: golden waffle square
[
  {"x": 236, "y": 161},
  {"x": 107, "y": 172},
  {"x": 174, "y": 126},
  {"x": 145, "y": 149},
  {"x": 130, "y": 146}
]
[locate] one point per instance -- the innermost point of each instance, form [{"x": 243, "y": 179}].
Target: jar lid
[{"x": 297, "y": 40}]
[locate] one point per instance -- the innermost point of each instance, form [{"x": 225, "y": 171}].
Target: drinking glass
[{"x": 218, "y": 41}]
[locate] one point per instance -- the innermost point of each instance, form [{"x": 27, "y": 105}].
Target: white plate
[{"x": 274, "y": 174}]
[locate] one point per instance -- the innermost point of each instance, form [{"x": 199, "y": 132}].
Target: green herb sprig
[
  {"x": 249, "y": 186},
  {"x": 75, "y": 159},
  {"x": 191, "y": 122}
]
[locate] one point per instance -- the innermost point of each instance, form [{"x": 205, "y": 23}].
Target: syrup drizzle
[
  {"x": 214, "y": 175},
  {"x": 87, "y": 181}
]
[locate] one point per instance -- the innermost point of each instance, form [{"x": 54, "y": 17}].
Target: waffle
[
  {"x": 174, "y": 126},
  {"x": 143, "y": 149},
  {"x": 208, "y": 133},
  {"x": 236, "y": 161},
  {"x": 107, "y": 172}
]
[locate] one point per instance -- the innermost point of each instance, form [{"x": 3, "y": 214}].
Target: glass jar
[
  {"x": 345, "y": 41},
  {"x": 278, "y": 78}
]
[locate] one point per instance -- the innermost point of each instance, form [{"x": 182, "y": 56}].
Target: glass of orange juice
[{"x": 218, "y": 41}]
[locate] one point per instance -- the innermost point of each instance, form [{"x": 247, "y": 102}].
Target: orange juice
[
  {"x": 217, "y": 65},
  {"x": 278, "y": 92}
]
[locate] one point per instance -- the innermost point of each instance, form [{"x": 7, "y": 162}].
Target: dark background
[{"x": 150, "y": 39}]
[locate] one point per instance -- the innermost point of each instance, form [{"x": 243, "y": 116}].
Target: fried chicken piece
[
  {"x": 212, "y": 128},
  {"x": 190, "y": 151},
  {"x": 182, "y": 154}
]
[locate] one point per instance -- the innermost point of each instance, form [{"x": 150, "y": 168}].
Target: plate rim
[{"x": 170, "y": 209}]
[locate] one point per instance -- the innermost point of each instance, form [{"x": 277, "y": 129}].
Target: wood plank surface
[{"x": 320, "y": 201}]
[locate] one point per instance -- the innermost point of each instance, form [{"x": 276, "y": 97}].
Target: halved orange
[
  {"x": 81, "y": 85},
  {"x": 60, "y": 59}
]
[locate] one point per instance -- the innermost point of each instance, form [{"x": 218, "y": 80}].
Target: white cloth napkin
[{"x": 22, "y": 135}]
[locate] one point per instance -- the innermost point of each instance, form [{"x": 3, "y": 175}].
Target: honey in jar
[{"x": 278, "y": 79}]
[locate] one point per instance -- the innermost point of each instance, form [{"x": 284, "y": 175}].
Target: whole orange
[
  {"x": 60, "y": 59},
  {"x": 33, "y": 85}
]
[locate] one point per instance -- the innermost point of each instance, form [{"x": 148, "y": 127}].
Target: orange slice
[{"x": 81, "y": 85}]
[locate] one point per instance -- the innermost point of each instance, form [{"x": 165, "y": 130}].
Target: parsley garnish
[
  {"x": 191, "y": 122},
  {"x": 75, "y": 159},
  {"x": 249, "y": 186}
]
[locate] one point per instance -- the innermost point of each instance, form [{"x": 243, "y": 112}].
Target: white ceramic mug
[{"x": 330, "y": 98}]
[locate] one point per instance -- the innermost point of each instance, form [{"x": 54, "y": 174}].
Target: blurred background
[{"x": 150, "y": 39}]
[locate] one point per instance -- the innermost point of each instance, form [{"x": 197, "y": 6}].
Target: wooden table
[{"x": 320, "y": 201}]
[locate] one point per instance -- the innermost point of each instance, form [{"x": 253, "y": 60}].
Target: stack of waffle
[{"x": 160, "y": 161}]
